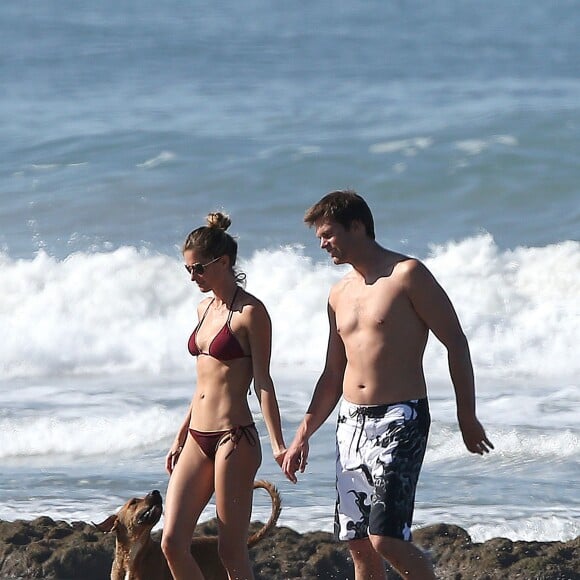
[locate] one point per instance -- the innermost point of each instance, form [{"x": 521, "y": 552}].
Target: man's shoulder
[
  {"x": 406, "y": 264},
  {"x": 411, "y": 272}
]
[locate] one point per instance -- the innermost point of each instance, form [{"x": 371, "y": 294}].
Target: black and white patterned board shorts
[{"x": 380, "y": 450}]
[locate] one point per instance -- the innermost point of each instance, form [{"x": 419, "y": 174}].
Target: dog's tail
[{"x": 276, "y": 509}]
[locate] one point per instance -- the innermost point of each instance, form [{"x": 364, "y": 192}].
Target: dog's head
[{"x": 135, "y": 519}]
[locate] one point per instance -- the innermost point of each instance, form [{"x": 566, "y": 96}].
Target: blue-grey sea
[{"x": 123, "y": 124}]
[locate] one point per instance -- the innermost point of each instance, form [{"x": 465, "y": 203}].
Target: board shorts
[{"x": 380, "y": 450}]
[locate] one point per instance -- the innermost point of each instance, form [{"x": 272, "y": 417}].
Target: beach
[
  {"x": 44, "y": 548},
  {"x": 124, "y": 124}
]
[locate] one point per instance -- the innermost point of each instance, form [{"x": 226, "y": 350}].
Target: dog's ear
[{"x": 107, "y": 526}]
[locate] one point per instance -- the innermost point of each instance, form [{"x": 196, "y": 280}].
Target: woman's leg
[
  {"x": 235, "y": 470},
  {"x": 190, "y": 487}
]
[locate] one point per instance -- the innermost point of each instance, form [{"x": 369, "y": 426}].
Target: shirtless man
[{"x": 380, "y": 316}]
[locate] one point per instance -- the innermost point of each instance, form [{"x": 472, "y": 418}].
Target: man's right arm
[
  {"x": 435, "y": 309},
  {"x": 326, "y": 394}
]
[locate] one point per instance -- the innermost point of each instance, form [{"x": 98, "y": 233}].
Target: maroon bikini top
[{"x": 224, "y": 345}]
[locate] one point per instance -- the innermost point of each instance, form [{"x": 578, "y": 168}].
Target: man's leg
[
  {"x": 368, "y": 564},
  {"x": 406, "y": 427},
  {"x": 408, "y": 560}
]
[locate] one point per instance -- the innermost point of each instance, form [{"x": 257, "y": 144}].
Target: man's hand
[
  {"x": 474, "y": 435},
  {"x": 296, "y": 459}
]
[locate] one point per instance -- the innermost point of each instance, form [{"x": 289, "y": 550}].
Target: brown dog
[{"x": 138, "y": 557}]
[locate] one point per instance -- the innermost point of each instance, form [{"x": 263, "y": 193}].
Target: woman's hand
[
  {"x": 172, "y": 457},
  {"x": 279, "y": 456}
]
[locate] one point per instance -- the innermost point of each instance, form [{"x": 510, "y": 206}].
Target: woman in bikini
[{"x": 217, "y": 448}]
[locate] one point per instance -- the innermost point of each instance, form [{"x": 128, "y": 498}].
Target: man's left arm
[{"x": 436, "y": 310}]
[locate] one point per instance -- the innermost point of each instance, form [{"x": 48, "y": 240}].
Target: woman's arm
[
  {"x": 260, "y": 338},
  {"x": 178, "y": 443}
]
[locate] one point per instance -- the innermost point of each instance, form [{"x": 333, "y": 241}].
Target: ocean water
[{"x": 124, "y": 124}]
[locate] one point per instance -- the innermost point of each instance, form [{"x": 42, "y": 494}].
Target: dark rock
[
  {"x": 313, "y": 555},
  {"x": 456, "y": 557},
  {"x": 44, "y": 548}
]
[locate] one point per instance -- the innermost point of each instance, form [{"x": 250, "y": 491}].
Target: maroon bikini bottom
[{"x": 209, "y": 441}]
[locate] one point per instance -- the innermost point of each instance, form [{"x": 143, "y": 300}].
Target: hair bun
[{"x": 218, "y": 220}]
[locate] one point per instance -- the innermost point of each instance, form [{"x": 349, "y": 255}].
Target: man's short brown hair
[{"x": 343, "y": 207}]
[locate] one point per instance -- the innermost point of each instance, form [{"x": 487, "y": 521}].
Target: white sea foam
[
  {"x": 519, "y": 307},
  {"x": 103, "y": 312},
  {"x": 94, "y": 370},
  {"x": 555, "y": 527},
  {"x": 477, "y": 146},
  {"x": 512, "y": 446},
  {"x": 551, "y": 527},
  {"x": 131, "y": 311},
  {"x": 107, "y": 430},
  {"x": 408, "y": 147},
  {"x": 160, "y": 159},
  {"x": 86, "y": 435},
  {"x": 94, "y": 348},
  {"x": 43, "y": 166}
]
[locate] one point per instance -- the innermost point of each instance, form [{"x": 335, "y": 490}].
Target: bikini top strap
[
  {"x": 205, "y": 313},
  {"x": 232, "y": 305}
]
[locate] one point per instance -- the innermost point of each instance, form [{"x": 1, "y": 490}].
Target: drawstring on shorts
[{"x": 360, "y": 413}]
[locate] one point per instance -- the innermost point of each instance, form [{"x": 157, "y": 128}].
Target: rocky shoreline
[{"x": 44, "y": 548}]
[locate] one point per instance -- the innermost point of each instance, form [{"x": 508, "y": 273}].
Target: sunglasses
[{"x": 198, "y": 268}]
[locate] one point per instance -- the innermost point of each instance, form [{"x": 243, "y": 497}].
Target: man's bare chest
[{"x": 370, "y": 309}]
